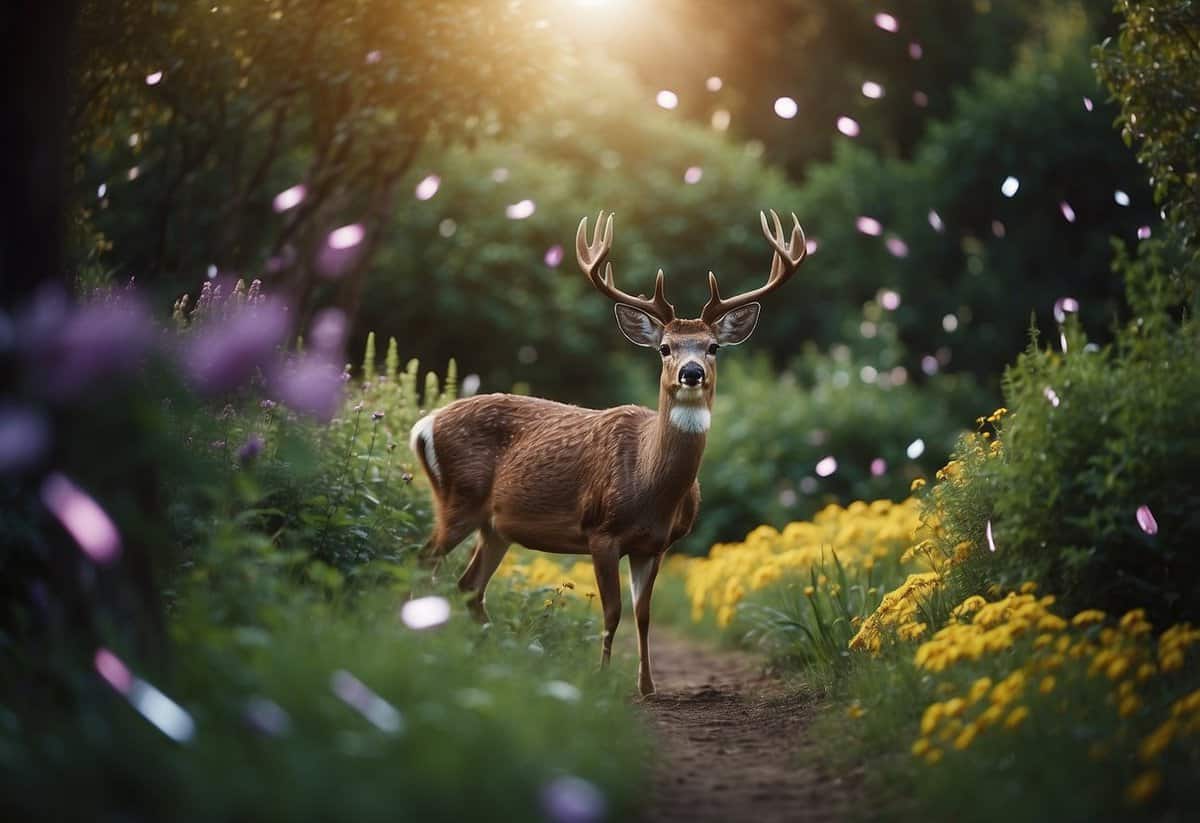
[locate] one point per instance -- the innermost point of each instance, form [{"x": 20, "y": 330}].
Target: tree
[{"x": 194, "y": 116}]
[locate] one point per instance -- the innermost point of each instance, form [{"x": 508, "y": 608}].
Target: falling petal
[
  {"x": 811, "y": 245},
  {"x": 887, "y": 22},
  {"x": 154, "y": 78},
  {"x": 553, "y": 256},
  {"x": 266, "y": 717},
  {"x": 826, "y": 466},
  {"x": 346, "y": 237},
  {"x": 163, "y": 713},
  {"x": 83, "y": 519},
  {"x": 1064, "y": 306},
  {"x": 561, "y": 690},
  {"x": 499, "y": 174},
  {"x": 116, "y": 673},
  {"x": 1068, "y": 213},
  {"x": 915, "y": 51},
  {"x": 667, "y": 99},
  {"x": 869, "y": 226},
  {"x": 425, "y": 612},
  {"x": 569, "y": 799},
  {"x": 915, "y": 449},
  {"x": 713, "y": 83},
  {"x": 990, "y": 540},
  {"x": 470, "y": 385},
  {"x": 102, "y": 190},
  {"x": 896, "y": 247},
  {"x": 929, "y": 364},
  {"x": 720, "y": 119},
  {"x": 1010, "y": 185},
  {"x": 1121, "y": 198},
  {"x": 428, "y": 187},
  {"x": 935, "y": 221},
  {"x": 920, "y": 99},
  {"x": 1143, "y": 233},
  {"x": 950, "y": 322},
  {"x": 1062, "y": 341},
  {"x": 1145, "y": 519},
  {"x": 998, "y": 229},
  {"x": 889, "y": 299},
  {"x": 1051, "y": 396},
  {"x": 872, "y": 90},
  {"x": 786, "y": 108},
  {"x": 520, "y": 210},
  {"x": 1087, "y": 103},
  {"x": 848, "y": 126},
  {"x": 374, "y": 56},
  {"x": 878, "y": 467},
  {"x": 374, "y": 709},
  {"x": 693, "y": 174},
  {"x": 289, "y": 198}
]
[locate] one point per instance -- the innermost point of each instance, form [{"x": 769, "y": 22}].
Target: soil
[{"x": 733, "y": 741}]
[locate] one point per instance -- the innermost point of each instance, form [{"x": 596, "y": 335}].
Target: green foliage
[
  {"x": 456, "y": 277},
  {"x": 994, "y": 259},
  {"x": 770, "y": 431},
  {"x": 1150, "y": 68},
  {"x": 1092, "y": 435},
  {"x": 487, "y": 718}
]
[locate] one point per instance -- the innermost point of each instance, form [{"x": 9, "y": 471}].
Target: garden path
[{"x": 733, "y": 741}]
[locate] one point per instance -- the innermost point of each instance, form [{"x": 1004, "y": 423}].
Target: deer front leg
[
  {"x": 642, "y": 571},
  {"x": 606, "y": 562}
]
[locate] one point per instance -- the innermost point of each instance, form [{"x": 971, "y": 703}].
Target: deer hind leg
[
  {"x": 490, "y": 549},
  {"x": 606, "y": 562},
  {"x": 642, "y": 572},
  {"x": 454, "y": 523}
]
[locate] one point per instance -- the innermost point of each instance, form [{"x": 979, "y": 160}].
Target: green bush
[
  {"x": 1093, "y": 435},
  {"x": 770, "y": 431}
]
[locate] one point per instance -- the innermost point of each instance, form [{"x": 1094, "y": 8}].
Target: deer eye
[
  {"x": 664, "y": 350},
  {"x": 712, "y": 348}
]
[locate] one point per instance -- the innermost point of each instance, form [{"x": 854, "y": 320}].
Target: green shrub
[{"x": 1092, "y": 436}]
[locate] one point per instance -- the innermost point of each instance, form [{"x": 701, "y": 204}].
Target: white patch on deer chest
[{"x": 691, "y": 419}]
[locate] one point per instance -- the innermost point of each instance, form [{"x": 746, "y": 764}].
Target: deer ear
[
  {"x": 736, "y": 325},
  {"x": 639, "y": 327}
]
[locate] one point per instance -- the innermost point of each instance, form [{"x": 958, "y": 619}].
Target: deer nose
[{"x": 692, "y": 374}]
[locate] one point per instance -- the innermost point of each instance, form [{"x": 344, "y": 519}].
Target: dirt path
[{"x": 733, "y": 741}]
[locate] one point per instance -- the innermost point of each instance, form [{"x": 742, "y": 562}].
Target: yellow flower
[
  {"x": 1129, "y": 705},
  {"x": 933, "y": 756},
  {"x": 1016, "y": 717},
  {"x": 966, "y": 736},
  {"x": 1088, "y": 617},
  {"x": 979, "y": 689},
  {"x": 1144, "y": 787},
  {"x": 1156, "y": 742},
  {"x": 931, "y": 718},
  {"x": 1047, "y": 684},
  {"x": 1028, "y": 587},
  {"x": 855, "y": 711},
  {"x": 917, "y": 484},
  {"x": 809, "y": 591},
  {"x": 920, "y": 746}
]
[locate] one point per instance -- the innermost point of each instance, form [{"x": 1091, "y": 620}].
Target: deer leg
[
  {"x": 453, "y": 526},
  {"x": 606, "y": 562},
  {"x": 642, "y": 572},
  {"x": 489, "y": 551}
]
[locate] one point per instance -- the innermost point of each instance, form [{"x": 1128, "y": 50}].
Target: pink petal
[
  {"x": 991, "y": 541},
  {"x": 1145, "y": 519}
]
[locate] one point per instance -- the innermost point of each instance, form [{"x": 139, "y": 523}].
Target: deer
[{"x": 610, "y": 483}]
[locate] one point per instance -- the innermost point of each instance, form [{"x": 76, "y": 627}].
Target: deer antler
[
  {"x": 786, "y": 260},
  {"x": 594, "y": 254}
]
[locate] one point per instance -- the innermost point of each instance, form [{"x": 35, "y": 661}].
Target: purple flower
[
  {"x": 569, "y": 799},
  {"x": 224, "y": 355},
  {"x": 24, "y": 438},
  {"x": 1145, "y": 519},
  {"x": 311, "y": 385},
  {"x": 266, "y": 717},
  {"x": 72, "y": 349},
  {"x": 328, "y": 332},
  {"x": 251, "y": 449}
]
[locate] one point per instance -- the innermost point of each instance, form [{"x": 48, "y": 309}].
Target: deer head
[{"x": 688, "y": 347}]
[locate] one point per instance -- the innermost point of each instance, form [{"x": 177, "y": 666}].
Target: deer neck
[{"x": 673, "y": 445}]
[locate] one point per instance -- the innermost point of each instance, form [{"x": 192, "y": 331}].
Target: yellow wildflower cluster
[
  {"x": 1080, "y": 650},
  {"x": 860, "y": 534},
  {"x": 531, "y": 570},
  {"x": 898, "y": 613}
]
